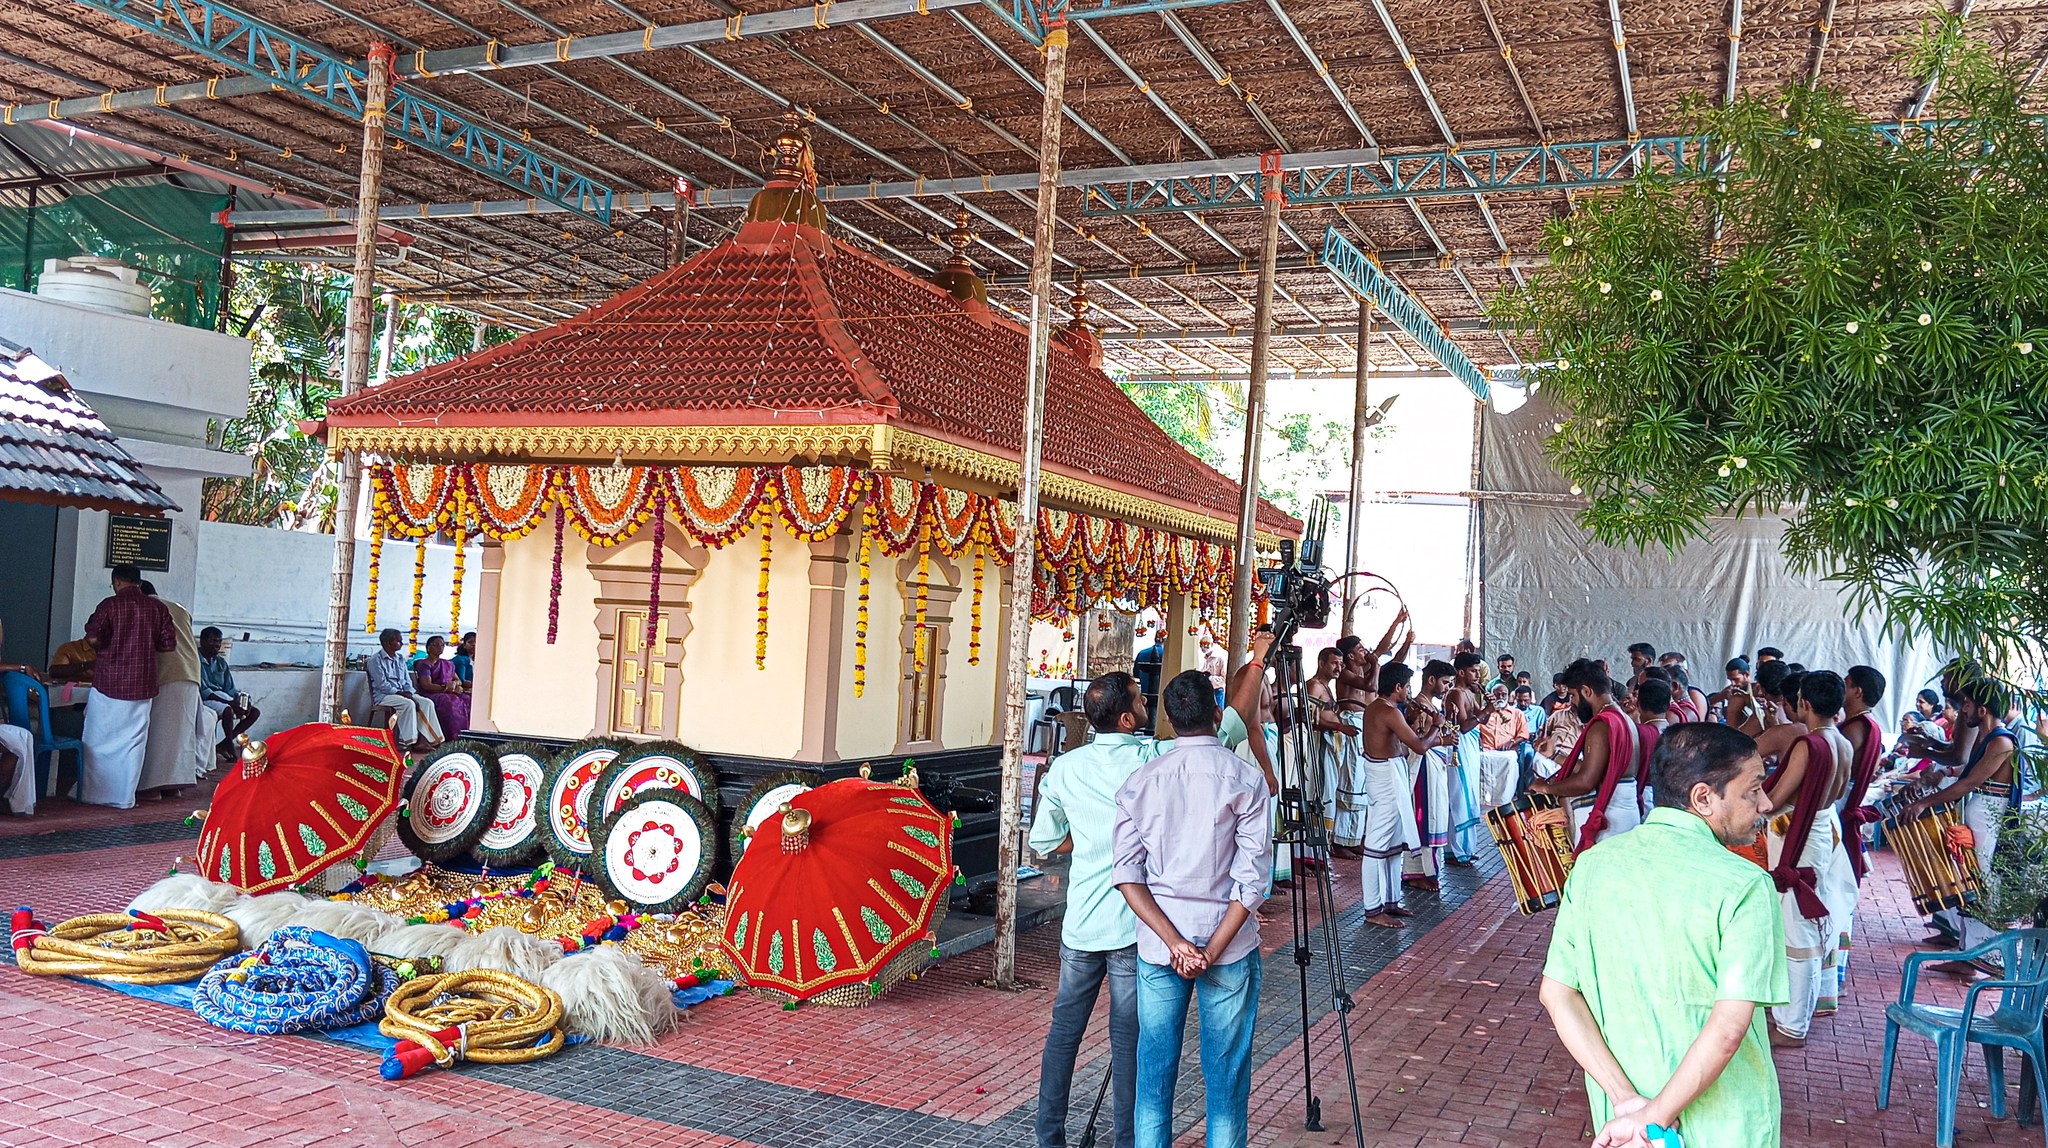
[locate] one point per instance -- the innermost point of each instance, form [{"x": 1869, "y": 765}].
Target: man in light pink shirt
[{"x": 1193, "y": 847}]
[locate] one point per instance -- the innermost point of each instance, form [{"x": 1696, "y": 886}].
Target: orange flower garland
[
  {"x": 509, "y": 501},
  {"x": 717, "y": 504},
  {"x": 376, "y": 569},
  {"x": 860, "y": 614},
  {"x": 609, "y": 504},
  {"x": 816, "y": 502},
  {"x": 455, "y": 599}
]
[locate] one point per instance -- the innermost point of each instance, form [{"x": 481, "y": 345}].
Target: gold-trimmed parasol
[{"x": 304, "y": 800}]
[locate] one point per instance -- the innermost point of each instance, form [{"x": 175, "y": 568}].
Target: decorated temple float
[{"x": 762, "y": 505}]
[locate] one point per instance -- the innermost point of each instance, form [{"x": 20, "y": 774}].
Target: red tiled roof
[
  {"x": 54, "y": 449},
  {"x": 767, "y": 329}
]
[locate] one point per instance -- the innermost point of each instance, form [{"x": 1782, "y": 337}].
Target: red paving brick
[{"x": 1451, "y": 1045}]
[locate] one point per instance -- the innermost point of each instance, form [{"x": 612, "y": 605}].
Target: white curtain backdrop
[{"x": 1552, "y": 594}]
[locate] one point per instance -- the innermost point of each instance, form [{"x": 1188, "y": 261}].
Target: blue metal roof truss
[{"x": 300, "y": 66}]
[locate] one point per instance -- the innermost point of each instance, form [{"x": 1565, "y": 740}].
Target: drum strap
[
  {"x": 1864, "y": 772},
  {"x": 1802, "y": 881},
  {"x": 1621, "y": 732}
]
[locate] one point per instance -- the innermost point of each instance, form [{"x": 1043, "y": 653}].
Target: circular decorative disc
[
  {"x": 513, "y": 836},
  {"x": 655, "y": 854},
  {"x": 765, "y": 801},
  {"x": 565, "y": 799},
  {"x": 656, "y": 765},
  {"x": 450, "y": 798}
]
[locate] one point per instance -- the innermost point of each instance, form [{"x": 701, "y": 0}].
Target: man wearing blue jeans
[
  {"x": 1194, "y": 846},
  {"x": 1076, "y": 814}
]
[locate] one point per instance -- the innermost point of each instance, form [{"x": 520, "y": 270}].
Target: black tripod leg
[
  {"x": 1088, "y": 1133},
  {"x": 1312, "y": 1115}
]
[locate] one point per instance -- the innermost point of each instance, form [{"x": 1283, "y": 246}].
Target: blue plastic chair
[
  {"x": 2016, "y": 1024},
  {"x": 19, "y": 686}
]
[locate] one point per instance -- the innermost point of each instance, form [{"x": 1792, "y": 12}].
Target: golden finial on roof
[
  {"x": 957, "y": 276},
  {"x": 1080, "y": 303},
  {"x": 790, "y": 196}
]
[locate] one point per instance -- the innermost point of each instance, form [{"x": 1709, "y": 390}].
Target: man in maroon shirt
[{"x": 128, "y": 630}]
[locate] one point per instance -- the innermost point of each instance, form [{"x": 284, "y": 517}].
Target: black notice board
[{"x": 139, "y": 541}]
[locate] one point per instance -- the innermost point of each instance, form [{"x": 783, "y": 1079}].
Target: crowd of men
[{"x": 1719, "y": 842}]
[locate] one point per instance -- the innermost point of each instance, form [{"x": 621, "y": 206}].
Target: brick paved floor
[{"x": 1448, "y": 1040}]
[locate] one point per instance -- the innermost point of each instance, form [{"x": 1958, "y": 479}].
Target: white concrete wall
[
  {"x": 536, "y": 688},
  {"x": 155, "y": 385}
]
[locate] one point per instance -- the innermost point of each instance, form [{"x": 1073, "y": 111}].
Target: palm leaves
[{"x": 1866, "y": 339}]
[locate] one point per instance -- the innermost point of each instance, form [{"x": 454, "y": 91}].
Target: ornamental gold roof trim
[{"x": 884, "y": 448}]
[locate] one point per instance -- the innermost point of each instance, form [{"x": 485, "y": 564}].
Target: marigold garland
[
  {"x": 555, "y": 578},
  {"x": 455, "y": 599},
  {"x": 860, "y": 613},
  {"x": 376, "y": 570},
  {"x": 419, "y": 589},
  {"x": 974, "y": 631},
  {"x": 761, "y": 610},
  {"x": 924, "y": 581}
]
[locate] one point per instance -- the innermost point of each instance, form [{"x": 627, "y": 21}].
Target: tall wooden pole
[
  {"x": 355, "y": 372},
  {"x": 1361, "y": 412},
  {"x": 1017, "y": 636},
  {"x": 1255, "y": 420},
  {"x": 388, "y": 339}
]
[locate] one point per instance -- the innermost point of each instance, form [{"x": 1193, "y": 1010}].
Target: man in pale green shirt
[
  {"x": 1667, "y": 949},
  {"x": 1076, "y": 814}
]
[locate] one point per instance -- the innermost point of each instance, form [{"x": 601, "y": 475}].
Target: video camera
[{"x": 1297, "y": 588}]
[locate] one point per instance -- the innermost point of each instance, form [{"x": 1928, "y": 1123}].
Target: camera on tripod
[{"x": 1297, "y": 588}]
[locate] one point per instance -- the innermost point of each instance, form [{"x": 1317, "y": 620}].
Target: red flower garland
[
  {"x": 654, "y": 568},
  {"x": 555, "y": 579}
]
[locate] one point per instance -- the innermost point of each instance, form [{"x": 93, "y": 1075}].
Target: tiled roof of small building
[
  {"x": 782, "y": 326},
  {"x": 54, "y": 449}
]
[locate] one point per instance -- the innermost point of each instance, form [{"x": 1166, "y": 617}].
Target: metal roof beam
[
  {"x": 1028, "y": 16},
  {"x": 1320, "y": 331},
  {"x": 326, "y": 77},
  {"x": 1418, "y": 258},
  {"x": 1356, "y": 270}
]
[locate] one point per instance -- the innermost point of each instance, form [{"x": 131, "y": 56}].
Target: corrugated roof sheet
[
  {"x": 54, "y": 449},
  {"x": 759, "y": 329}
]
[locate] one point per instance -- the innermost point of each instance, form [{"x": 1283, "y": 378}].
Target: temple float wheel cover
[
  {"x": 764, "y": 801},
  {"x": 451, "y": 796},
  {"x": 655, "y": 853},
  {"x": 513, "y": 837},
  {"x": 654, "y": 765},
  {"x": 565, "y": 807}
]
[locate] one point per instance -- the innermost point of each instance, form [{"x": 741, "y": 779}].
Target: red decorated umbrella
[
  {"x": 837, "y": 898},
  {"x": 302, "y": 801}
]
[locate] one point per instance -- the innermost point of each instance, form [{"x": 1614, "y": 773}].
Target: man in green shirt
[
  {"x": 1667, "y": 947},
  {"x": 1076, "y": 814}
]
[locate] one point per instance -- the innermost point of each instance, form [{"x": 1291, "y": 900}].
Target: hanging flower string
[
  {"x": 376, "y": 569},
  {"x": 974, "y": 630},
  {"x": 555, "y": 579},
  {"x": 764, "y": 516},
  {"x": 654, "y": 568},
  {"x": 419, "y": 588},
  {"x": 924, "y": 578},
  {"x": 461, "y": 556},
  {"x": 860, "y": 614}
]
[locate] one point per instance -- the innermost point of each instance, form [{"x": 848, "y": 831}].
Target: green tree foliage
[
  {"x": 1847, "y": 330},
  {"x": 296, "y": 318}
]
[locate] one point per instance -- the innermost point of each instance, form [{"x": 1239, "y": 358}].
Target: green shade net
[{"x": 174, "y": 234}]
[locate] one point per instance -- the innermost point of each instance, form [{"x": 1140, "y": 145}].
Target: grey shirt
[
  {"x": 388, "y": 675},
  {"x": 1193, "y": 826}
]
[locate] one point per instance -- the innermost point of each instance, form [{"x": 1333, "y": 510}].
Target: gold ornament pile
[
  {"x": 103, "y": 946},
  {"x": 686, "y": 943},
  {"x": 505, "y": 1020}
]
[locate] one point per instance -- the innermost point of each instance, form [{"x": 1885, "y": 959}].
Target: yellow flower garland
[
  {"x": 376, "y": 569},
  {"x": 455, "y": 599},
  {"x": 974, "y": 633},
  {"x": 419, "y": 586},
  {"x": 924, "y": 578}
]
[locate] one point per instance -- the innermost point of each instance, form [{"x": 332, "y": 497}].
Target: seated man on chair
[
  {"x": 217, "y": 692},
  {"x": 418, "y": 727}
]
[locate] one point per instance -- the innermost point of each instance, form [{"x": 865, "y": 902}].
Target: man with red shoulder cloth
[
  {"x": 1598, "y": 780},
  {"x": 1803, "y": 847},
  {"x": 1655, "y": 700},
  {"x": 1863, "y": 690}
]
